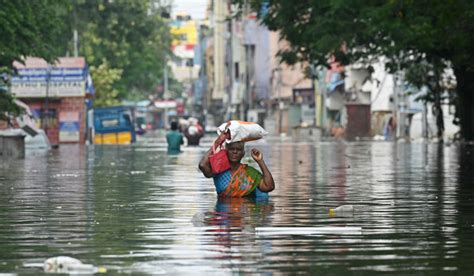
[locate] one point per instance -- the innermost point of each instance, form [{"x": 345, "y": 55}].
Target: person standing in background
[
  {"x": 390, "y": 129},
  {"x": 193, "y": 132},
  {"x": 174, "y": 139}
]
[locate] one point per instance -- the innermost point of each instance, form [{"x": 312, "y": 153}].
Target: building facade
[{"x": 59, "y": 96}]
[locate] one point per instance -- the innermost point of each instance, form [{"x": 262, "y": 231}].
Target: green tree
[
  {"x": 8, "y": 107},
  {"x": 407, "y": 32},
  {"x": 104, "y": 79},
  {"x": 29, "y": 28},
  {"x": 32, "y": 28},
  {"x": 175, "y": 89},
  {"x": 440, "y": 85},
  {"x": 131, "y": 35}
]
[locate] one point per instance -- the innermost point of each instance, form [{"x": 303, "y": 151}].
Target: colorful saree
[{"x": 243, "y": 182}]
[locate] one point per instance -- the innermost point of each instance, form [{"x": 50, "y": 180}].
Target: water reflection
[
  {"x": 131, "y": 209},
  {"x": 232, "y": 228},
  {"x": 464, "y": 209},
  {"x": 237, "y": 215}
]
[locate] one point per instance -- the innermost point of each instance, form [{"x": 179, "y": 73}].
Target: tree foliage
[
  {"x": 104, "y": 79},
  {"x": 32, "y": 28},
  {"x": 29, "y": 28},
  {"x": 130, "y": 36},
  {"x": 402, "y": 30},
  {"x": 125, "y": 42},
  {"x": 8, "y": 107},
  {"x": 406, "y": 32},
  {"x": 438, "y": 82}
]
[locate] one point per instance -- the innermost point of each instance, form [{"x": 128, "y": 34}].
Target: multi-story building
[
  {"x": 185, "y": 37},
  {"x": 292, "y": 99},
  {"x": 245, "y": 78}
]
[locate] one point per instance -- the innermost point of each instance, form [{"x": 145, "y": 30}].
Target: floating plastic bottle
[{"x": 342, "y": 211}]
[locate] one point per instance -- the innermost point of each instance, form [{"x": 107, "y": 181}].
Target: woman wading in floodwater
[{"x": 241, "y": 180}]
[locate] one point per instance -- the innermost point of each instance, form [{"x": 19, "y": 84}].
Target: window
[{"x": 109, "y": 122}]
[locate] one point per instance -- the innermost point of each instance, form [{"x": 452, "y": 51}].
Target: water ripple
[{"x": 136, "y": 210}]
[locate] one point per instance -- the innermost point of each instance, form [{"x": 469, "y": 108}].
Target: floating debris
[
  {"x": 198, "y": 219},
  {"x": 65, "y": 264},
  {"x": 329, "y": 230}
]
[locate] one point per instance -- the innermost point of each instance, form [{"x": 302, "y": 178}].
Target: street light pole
[
  {"x": 165, "y": 80},
  {"x": 46, "y": 100},
  {"x": 276, "y": 81},
  {"x": 323, "y": 92},
  {"x": 280, "y": 103}
]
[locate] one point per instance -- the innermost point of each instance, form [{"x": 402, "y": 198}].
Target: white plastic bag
[{"x": 242, "y": 131}]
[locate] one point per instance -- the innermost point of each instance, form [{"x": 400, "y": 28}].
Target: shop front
[{"x": 58, "y": 95}]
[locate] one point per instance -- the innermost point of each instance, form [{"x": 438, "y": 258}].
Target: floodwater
[{"x": 136, "y": 210}]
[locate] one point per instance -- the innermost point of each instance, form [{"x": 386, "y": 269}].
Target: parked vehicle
[{"x": 114, "y": 125}]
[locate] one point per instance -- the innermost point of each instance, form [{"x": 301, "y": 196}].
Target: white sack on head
[
  {"x": 241, "y": 131},
  {"x": 193, "y": 130}
]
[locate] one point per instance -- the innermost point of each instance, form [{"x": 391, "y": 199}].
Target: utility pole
[
  {"x": 396, "y": 104},
  {"x": 230, "y": 63},
  {"x": 280, "y": 103},
  {"x": 46, "y": 100},
  {"x": 190, "y": 94},
  {"x": 76, "y": 43},
  {"x": 398, "y": 100},
  {"x": 319, "y": 92},
  {"x": 248, "y": 80},
  {"x": 219, "y": 53},
  {"x": 75, "y": 34},
  {"x": 165, "y": 79},
  {"x": 323, "y": 92},
  {"x": 424, "y": 121},
  {"x": 317, "y": 97}
]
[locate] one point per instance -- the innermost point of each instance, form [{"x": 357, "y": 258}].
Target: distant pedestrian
[
  {"x": 193, "y": 132},
  {"x": 389, "y": 129},
  {"x": 174, "y": 139}
]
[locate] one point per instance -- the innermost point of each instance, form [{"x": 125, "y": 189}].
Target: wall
[
  {"x": 70, "y": 104},
  {"x": 291, "y": 76}
]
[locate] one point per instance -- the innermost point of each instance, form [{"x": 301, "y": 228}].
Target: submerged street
[
  {"x": 135, "y": 209},
  {"x": 360, "y": 116}
]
